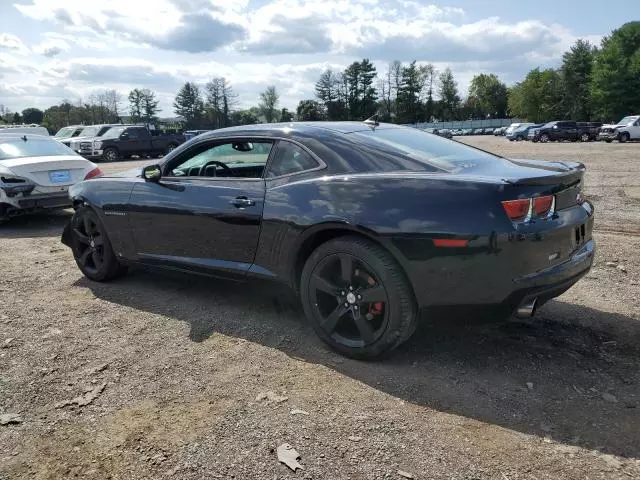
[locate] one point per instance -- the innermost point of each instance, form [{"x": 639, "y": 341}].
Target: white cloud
[
  {"x": 124, "y": 44},
  {"x": 13, "y": 43}
]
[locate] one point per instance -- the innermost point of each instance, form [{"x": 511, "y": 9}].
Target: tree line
[{"x": 592, "y": 83}]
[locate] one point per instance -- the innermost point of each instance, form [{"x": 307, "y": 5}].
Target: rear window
[
  {"x": 429, "y": 150},
  {"x": 32, "y": 147}
]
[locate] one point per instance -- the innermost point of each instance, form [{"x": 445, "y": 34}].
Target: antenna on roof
[
  {"x": 372, "y": 121},
  {"x": 24, "y": 138}
]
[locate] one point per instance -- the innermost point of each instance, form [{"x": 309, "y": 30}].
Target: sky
[{"x": 52, "y": 50}]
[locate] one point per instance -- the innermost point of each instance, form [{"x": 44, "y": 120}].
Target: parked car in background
[
  {"x": 555, "y": 131},
  {"x": 189, "y": 134},
  {"x": 517, "y": 133},
  {"x": 626, "y": 129},
  {"x": 499, "y": 131},
  {"x": 125, "y": 141},
  {"x": 68, "y": 132},
  {"x": 36, "y": 173},
  {"x": 588, "y": 131},
  {"x": 88, "y": 133},
  {"x": 511, "y": 128},
  {"x": 441, "y": 132},
  {"x": 235, "y": 203},
  {"x": 32, "y": 129}
]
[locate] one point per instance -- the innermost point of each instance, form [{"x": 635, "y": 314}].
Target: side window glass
[
  {"x": 237, "y": 159},
  {"x": 133, "y": 134},
  {"x": 290, "y": 158}
]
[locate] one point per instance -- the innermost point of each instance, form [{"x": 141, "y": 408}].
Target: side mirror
[
  {"x": 152, "y": 173},
  {"x": 124, "y": 136},
  {"x": 555, "y": 126}
]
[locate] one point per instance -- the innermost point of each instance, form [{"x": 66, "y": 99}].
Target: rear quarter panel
[{"x": 401, "y": 212}]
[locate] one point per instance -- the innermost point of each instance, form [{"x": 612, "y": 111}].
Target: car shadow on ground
[
  {"x": 36, "y": 225},
  {"x": 573, "y": 384}
]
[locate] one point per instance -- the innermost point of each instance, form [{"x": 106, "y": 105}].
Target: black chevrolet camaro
[{"x": 369, "y": 223}]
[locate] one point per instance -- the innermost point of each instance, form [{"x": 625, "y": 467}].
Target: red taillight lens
[
  {"x": 450, "y": 242},
  {"x": 542, "y": 205},
  {"x": 517, "y": 209},
  {"x": 96, "y": 172}
]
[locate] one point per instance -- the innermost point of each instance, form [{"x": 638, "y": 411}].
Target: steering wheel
[{"x": 203, "y": 168}]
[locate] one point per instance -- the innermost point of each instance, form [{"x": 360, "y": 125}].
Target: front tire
[
  {"x": 357, "y": 297},
  {"x": 544, "y": 138},
  {"x": 92, "y": 249},
  {"x": 111, "y": 155},
  {"x": 624, "y": 137}
]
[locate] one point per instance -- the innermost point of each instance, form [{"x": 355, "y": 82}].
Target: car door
[
  {"x": 128, "y": 143},
  {"x": 634, "y": 130},
  {"x": 199, "y": 216}
]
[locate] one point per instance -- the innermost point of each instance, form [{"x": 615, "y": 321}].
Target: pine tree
[{"x": 188, "y": 104}]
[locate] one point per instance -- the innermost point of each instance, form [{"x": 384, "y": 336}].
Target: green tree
[
  {"x": 310, "y": 110},
  {"x": 409, "y": 101},
  {"x": 488, "y": 96},
  {"x": 286, "y": 115},
  {"x": 220, "y": 99},
  {"x": 136, "y": 98},
  {"x": 268, "y": 104},
  {"x": 189, "y": 105},
  {"x": 615, "y": 78},
  {"x": 362, "y": 96},
  {"x": 576, "y": 68},
  {"x": 16, "y": 119},
  {"x": 150, "y": 107},
  {"x": 538, "y": 98},
  {"x": 32, "y": 115},
  {"x": 449, "y": 97},
  {"x": 328, "y": 91},
  {"x": 243, "y": 117}
]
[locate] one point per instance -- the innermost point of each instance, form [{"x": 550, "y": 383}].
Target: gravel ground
[{"x": 167, "y": 376}]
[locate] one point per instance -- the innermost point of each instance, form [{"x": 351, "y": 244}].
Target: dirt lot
[{"x": 166, "y": 373}]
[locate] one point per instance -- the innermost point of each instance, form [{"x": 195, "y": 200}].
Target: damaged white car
[{"x": 36, "y": 173}]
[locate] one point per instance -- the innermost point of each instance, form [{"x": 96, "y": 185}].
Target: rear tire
[
  {"x": 584, "y": 137},
  {"x": 357, "y": 298},
  {"x": 92, "y": 249},
  {"x": 544, "y": 138}
]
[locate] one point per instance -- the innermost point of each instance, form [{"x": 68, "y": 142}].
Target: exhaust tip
[{"x": 527, "y": 309}]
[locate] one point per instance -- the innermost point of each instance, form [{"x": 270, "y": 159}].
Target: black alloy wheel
[
  {"x": 91, "y": 247},
  {"x": 357, "y": 298}
]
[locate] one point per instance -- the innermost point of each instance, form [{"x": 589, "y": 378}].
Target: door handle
[{"x": 242, "y": 202}]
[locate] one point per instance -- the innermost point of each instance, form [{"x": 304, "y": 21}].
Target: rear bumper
[{"x": 33, "y": 203}]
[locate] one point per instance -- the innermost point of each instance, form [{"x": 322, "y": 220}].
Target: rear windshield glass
[
  {"x": 66, "y": 132},
  {"x": 32, "y": 147},
  {"x": 431, "y": 150}
]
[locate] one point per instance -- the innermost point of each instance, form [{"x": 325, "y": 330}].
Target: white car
[
  {"x": 36, "y": 173},
  {"x": 626, "y": 129},
  {"x": 512, "y": 128}
]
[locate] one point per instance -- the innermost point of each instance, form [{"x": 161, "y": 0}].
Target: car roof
[{"x": 276, "y": 129}]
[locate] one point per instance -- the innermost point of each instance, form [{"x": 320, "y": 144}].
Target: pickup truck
[
  {"x": 87, "y": 133},
  {"x": 125, "y": 141},
  {"x": 552, "y": 131},
  {"x": 626, "y": 129}
]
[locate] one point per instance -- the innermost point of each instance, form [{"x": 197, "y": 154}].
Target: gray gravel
[{"x": 167, "y": 376}]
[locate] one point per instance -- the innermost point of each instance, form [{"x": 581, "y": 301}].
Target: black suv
[{"x": 552, "y": 131}]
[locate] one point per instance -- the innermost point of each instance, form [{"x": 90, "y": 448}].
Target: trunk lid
[{"x": 50, "y": 171}]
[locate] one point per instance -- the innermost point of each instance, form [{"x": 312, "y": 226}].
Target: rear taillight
[
  {"x": 542, "y": 205},
  {"x": 517, "y": 209},
  {"x": 528, "y": 208},
  {"x": 96, "y": 172},
  {"x": 450, "y": 242}
]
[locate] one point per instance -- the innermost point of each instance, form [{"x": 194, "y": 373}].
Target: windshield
[
  {"x": 549, "y": 125},
  {"x": 430, "y": 150},
  {"x": 627, "y": 120},
  {"x": 32, "y": 147},
  {"x": 114, "y": 132},
  {"x": 89, "y": 132},
  {"x": 65, "y": 132}
]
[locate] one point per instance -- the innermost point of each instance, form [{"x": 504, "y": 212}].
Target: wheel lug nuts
[
  {"x": 351, "y": 288},
  {"x": 342, "y": 292},
  {"x": 346, "y": 304},
  {"x": 359, "y": 297}
]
